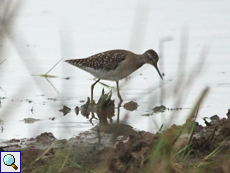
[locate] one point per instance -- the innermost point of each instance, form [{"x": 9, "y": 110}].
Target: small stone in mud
[
  {"x": 161, "y": 108},
  {"x": 45, "y": 138},
  {"x": 29, "y": 101},
  {"x": 76, "y": 110},
  {"x": 52, "y": 118},
  {"x": 65, "y": 110},
  {"x": 30, "y": 120},
  {"x": 214, "y": 117},
  {"x": 131, "y": 106}
]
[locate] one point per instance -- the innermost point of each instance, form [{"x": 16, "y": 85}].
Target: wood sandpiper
[{"x": 115, "y": 65}]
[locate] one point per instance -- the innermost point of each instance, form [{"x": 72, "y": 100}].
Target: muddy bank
[{"x": 117, "y": 148}]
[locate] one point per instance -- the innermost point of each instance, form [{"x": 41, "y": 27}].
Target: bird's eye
[{"x": 150, "y": 57}]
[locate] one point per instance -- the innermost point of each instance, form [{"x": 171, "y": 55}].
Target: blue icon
[{"x": 9, "y": 160}]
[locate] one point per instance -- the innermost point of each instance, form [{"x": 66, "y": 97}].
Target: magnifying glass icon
[{"x": 9, "y": 160}]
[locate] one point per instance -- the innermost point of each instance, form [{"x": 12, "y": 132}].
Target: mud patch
[{"x": 204, "y": 149}]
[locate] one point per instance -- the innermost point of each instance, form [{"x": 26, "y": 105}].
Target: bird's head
[{"x": 152, "y": 58}]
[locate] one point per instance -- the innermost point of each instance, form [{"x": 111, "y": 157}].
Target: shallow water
[{"x": 44, "y": 32}]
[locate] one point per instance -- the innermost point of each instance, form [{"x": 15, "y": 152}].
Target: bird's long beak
[{"x": 158, "y": 72}]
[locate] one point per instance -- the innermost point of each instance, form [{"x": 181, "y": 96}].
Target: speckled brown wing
[{"x": 108, "y": 60}]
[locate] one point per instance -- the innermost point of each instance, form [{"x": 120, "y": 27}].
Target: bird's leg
[
  {"x": 118, "y": 93},
  {"x": 92, "y": 86}
]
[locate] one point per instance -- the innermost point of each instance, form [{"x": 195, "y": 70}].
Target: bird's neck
[{"x": 140, "y": 60}]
